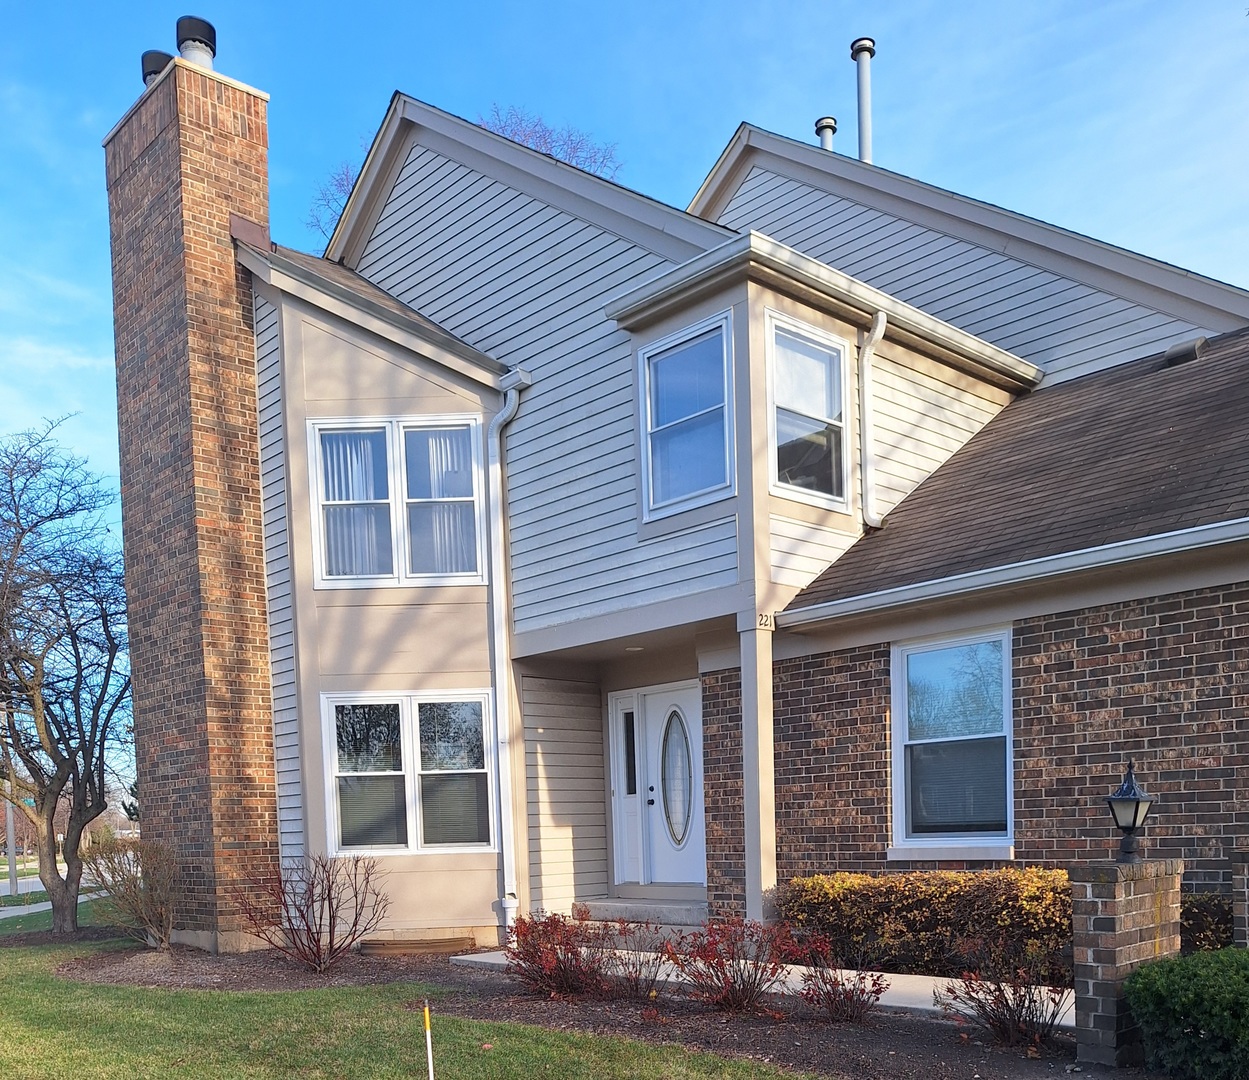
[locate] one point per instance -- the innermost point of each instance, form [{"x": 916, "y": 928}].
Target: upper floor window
[
  {"x": 687, "y": 418},
  {"x": 399, "y": 502},
  {"x": 952, "y": 741},
  {"x": 808, "y": 422}
]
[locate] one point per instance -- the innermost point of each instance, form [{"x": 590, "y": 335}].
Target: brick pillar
[
  {"x": 1122, "y": 916},
  {"x": 723, "y": 796},
  {"x": 193, "y": 149},
  {"x": 1240, "y": 898}
]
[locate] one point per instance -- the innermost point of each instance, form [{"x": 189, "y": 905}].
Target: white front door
[{"x": 657, "y": 785}]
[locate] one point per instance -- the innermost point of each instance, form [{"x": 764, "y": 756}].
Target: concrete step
[{"x": 678, "y": 914}]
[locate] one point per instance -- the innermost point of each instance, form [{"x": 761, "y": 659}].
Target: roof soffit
[
  {"x": 1204, "y": 301},
  {"x": 421, "y": 338},
  {"x": 760, "y": 258}
]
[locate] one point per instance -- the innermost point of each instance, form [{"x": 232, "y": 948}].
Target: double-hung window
[
  {"x": 952, "y": 742},
  {"x": 687, "y": 420},
  {"x": 398, "y": 502},
  {"x": 807, "y": 412},
  {"x": 409, "y": 772}
]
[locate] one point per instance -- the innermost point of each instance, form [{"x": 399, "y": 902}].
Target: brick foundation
[
  {"x": 1240, "y": 898},
  {"x": 193, "y": 150},
  {"x": 1122, "y": 916}
]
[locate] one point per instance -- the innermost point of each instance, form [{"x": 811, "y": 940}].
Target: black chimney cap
[
  {"x": 154, "y": 62},
  {"x": 192, "y": 28}
]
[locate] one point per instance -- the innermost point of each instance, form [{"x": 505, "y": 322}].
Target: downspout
[
  {"x": 511, "y": 385},
  {"x": 867, "y": 465}
]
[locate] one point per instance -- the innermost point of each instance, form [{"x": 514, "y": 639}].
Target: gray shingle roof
[{"x": 1134, "y": 451}]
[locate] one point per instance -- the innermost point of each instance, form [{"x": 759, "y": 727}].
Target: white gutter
[
  {"x": 1068, "y": 562},
  {"x": 867, "y": 463},
  {"x": 512, "y": 383}
]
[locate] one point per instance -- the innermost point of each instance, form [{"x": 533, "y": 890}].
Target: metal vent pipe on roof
[
  {"x": 197, "y": 41},
  {"x": 861, "y": 52},
  {"x": 826, "y": 128}
]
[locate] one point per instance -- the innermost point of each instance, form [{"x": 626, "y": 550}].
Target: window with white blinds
[
  {"x": 399, "y": 502},
  {"x": 409, "y": 772},
  {"x": 952, "y": 740}
]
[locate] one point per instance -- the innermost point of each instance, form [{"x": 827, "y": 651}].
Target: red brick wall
[
  {"x": 1164, "y": 681},
  {"x": 193, "y": 150},
  {"x": 722, "y": 792}
]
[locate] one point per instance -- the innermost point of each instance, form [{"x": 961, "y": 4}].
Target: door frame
[{"x": 618, "y": 703}]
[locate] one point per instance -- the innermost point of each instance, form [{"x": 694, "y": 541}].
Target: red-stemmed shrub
[
  {"x": 560, "y": 955},
  {"x": 841, "y": 993},
  {"x": 732, "y": 964},
  {"x": 316, "y": 909},
  {"x": 638, "y": 959}
]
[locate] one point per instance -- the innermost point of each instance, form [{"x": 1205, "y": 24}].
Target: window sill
[
  {"x": 389, "y": 853},
  {"x": 998, "y": 851}
]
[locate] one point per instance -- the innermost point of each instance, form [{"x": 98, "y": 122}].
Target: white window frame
[
  {"x": 774, "y": 320},
  {"x": 650, "y": 509},
  {"x": 995, "y": 846},
  {"x": 396, "y": 459},
  {"x": 408, "y": 702}
]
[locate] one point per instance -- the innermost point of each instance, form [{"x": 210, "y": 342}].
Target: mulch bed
[{"x": 892, "y": 1046}]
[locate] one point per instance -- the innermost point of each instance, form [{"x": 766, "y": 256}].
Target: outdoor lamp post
[{"x": 1130, "y": 807}]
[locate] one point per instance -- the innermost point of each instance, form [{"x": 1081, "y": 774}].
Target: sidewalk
[
  {"x": 906, "y": 993},
  {"x": 45, "y": 905}
]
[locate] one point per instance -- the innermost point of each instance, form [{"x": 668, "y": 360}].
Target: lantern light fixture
[{"x": 1130, "y": 806}]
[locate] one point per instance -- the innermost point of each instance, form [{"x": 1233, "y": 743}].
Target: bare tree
[
  {"x": 64, "y": 679},
  {"x": 567, "y": 144}
]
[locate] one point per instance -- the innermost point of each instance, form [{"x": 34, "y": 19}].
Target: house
[{"x": 553, "y": 545}]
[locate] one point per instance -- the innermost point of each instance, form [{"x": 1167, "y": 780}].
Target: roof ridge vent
[{"x": 1184, "y": 351}]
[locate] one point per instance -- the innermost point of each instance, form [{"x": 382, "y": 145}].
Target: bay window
[
  {"x": 807, "y": 412},
  {"x": 409, "y": 772},
  {"x": 398, "y": 502},
  {"x": 687, "y": 418},
  {"x": 952, "y": 742}
]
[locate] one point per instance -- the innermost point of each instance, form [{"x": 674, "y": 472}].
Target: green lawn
[
  {"x": 22, "y": 899},
  {"x": 52, "y": 1028}
]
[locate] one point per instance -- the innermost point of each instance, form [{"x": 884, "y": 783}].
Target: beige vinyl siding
[
  {"x": 526, "y": 282},
  {"x": 921, "y": 415},
  {"x": 1064, "y": 326},
  {"x": 278, "y": 582},
  {"x": 566, "y": 791},
  {"x": 801, "y": 551}
]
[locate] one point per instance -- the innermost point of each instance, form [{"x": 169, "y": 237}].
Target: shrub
[
  {"x": 1205, "y": 921},
  {"x": 141, "y": 887},
  {"x": 637, "y": 958},
  {"x": 1193, "y": 1012},
  {"x": 929, "y": 922},
  {"x": 1005, "y": 995},
  {"x": 316, "y": 909},
  {"x": 558, "y": 954},
  {"x": 732, "y": 964},
  {"x": 827, "y": 985}
]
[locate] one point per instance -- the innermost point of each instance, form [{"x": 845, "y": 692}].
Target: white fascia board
[
  {"x": 669, "y": 289},
  {"x": 370, "y": 175},
  {"x": 1203, "y": 300},
  {"x": 352, "y": 312},
  {"x": 1049, "y": 566}
]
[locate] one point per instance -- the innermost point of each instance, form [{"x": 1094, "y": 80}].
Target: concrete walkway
[
  {"x": 46, "y": 905},
  {"x": 906, "y": 993}
]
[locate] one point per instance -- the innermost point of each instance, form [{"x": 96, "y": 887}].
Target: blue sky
[{"x": 1127, "y": 121}]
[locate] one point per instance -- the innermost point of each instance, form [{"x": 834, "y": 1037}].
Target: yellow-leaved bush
[{"x": 939, "y": 923}]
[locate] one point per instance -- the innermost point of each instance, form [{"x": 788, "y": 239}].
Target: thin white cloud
[{"x": 45, "y": 358}]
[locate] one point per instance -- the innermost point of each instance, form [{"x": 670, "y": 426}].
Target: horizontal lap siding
[
  {"x": 566, "y": 791},
  {"x": 526, "y": 282},
  {"x": 919, "y": 421},
  {"x": 1064, "y": 326},
  {"x": 802, "y": 551},
  {"x": 278, "y": 583}
]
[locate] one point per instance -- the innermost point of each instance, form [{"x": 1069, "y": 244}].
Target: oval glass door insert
[{"x": 677, "y": 777}]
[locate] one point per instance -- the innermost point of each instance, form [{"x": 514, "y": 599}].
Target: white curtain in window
[
  {"x": 442, "y": 519},
  {"x": 357, "y": 528}
]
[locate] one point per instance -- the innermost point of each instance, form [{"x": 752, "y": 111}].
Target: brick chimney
[{"x": 192, "y": 151}]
